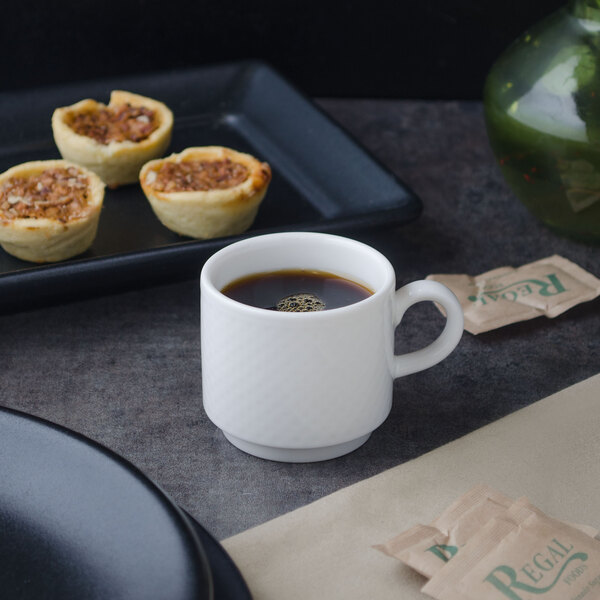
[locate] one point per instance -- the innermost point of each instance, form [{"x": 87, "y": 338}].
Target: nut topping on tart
[
  {"x": 206, "y": 192},
  {"x": 198, "y": 175},
  {"x": 49, "y": 210},
  {"x": 114, "y": 124},
  {"x": 113, "y": 140},
  {"x": 57, "y": 193}
]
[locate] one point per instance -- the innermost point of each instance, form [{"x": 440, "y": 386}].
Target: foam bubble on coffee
[{"x": 302, "y": 302}]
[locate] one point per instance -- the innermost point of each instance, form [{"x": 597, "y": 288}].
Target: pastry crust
[
  {"x": 208, "y": 213},
  {"x": 116, "y": 162},
  {"x": 44, "y": 239}
]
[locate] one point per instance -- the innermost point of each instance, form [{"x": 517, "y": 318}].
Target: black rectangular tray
[{"x": 323, "y": 180}]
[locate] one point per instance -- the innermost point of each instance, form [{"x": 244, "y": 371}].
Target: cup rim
[{"x": 207, "y": 285}]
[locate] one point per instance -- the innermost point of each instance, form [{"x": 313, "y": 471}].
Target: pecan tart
[
  {"x": 114, "y": 141},
  {"x": 49, "y": 210},
  {"x": 206, "y": 192}
]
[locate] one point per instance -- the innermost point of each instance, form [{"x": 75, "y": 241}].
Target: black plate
[
  {"x": 227, "y": 579},
  {"x": 77, "y": 521},
  {"x": 322, "y": 179}
]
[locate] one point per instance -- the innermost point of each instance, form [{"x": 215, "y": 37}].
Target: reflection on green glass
[{"x": 542, "y": 107}]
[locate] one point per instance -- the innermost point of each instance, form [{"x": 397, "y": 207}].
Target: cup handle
[{"x": 418, "y": 291}]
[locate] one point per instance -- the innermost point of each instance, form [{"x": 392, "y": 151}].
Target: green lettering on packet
[
  {"x": 443, "y": 551},
  {"x": 519, "y": 555},
  {"x": 551, "y": 562},
  {"x": 506, "y": 295},
  {"x": 513, "y": 291}
]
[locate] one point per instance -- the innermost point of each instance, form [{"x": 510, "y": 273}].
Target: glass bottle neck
[{"x": 585, "y": 9}]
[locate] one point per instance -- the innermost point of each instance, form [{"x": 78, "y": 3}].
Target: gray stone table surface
[{"x": 125, "y": 370}]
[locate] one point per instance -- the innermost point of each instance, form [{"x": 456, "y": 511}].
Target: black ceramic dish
[
  {"x": 227, "y": 580},
  {"x": 322, "y": 179},
  {"x": 77, "y": 521}
]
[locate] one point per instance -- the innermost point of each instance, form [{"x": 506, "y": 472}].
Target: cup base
[{"x": 297, "y": 455}]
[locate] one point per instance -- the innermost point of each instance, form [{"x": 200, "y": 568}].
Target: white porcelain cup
[{"x": 303, "y": 387}]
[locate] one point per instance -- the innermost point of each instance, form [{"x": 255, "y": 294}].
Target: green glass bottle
[{"x": 542, "y": 109}]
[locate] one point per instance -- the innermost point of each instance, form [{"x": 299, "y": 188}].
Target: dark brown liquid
[{"x": 296, "y": 291}]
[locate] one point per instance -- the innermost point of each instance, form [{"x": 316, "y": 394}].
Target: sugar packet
[
  {"x": 427, "y": 548},
  {"x": 506, "y": 295},
  {"x": 520, "y": 555}
]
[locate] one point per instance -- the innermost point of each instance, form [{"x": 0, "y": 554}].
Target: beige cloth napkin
[{"x": 549, "y": 451}]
